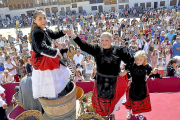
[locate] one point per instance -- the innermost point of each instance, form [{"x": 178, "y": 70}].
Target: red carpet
[{"x": 165, "y": 106}]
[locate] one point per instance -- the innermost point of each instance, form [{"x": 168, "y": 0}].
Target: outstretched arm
[
  {"x": 56, "y": 34},
  {"x": 127, "y": 58},
  {"x": 91, "y": 49}
]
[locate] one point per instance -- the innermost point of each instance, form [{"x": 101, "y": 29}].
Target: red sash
[{"x": 44, "y": 62}]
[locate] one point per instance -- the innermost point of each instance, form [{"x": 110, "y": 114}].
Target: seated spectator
[
  {"x": 78, "y": 77},
  {"x": 171, "y": 68},
  {"x": 11, "y": 67},
  {"x": 24, "y": 53},
  {"x": 7, "y": 77},
  {"x": 155, "y": 74}
]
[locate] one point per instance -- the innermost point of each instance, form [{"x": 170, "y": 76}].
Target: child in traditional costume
[
  {"x": 49, "y": 77},
  {"x": 137, "y": 94}
]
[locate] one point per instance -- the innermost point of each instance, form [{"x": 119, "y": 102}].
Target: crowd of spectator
[{"x": 157, "y": 32}]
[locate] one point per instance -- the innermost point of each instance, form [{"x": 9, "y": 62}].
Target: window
[
  {"x": 94, "y": 7},
  {"x": 162, "y": 3},
  {"x": 148, "y": 4},
  {"x": 121, "y": 6},
  {"x": 142, "y": 4},
  {"x": 136, "y": 4},
  {"x": 74, "y": 5},
  {"x": 173, "y": 2}
]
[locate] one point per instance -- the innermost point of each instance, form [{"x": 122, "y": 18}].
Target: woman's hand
[
  {"x": 123, "y": 73},
  {"x": 4, "y": 106},
  {"x": 68, "y": 32}
]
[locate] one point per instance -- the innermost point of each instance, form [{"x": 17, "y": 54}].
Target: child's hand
[
  {"x": 4, "y": 106},
  {"x": 153, "y": 79},
  {"x": 123, "y": 73}
]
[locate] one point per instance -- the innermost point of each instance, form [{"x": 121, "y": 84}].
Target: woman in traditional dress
[
  {"x": 109, "y": 88},
  {"x": 49, "y": 77}
]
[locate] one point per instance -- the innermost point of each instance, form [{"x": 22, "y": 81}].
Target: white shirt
[
  {"x": 168, "y": 57},
  {"x": 161, "y": 65},
  {"x": 9, "y": 66},
  {"x": 8, "y": 79},
  {"x": 89, "y": 67},
  {"x": 146, "y": 47},
  {"x": 78, "y": 59}
]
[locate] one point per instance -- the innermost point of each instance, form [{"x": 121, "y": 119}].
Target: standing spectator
[
  {"x": 29, "y": 67},
  {"x": 170, "y": 35},
  {"x": 171, "y": 68},
  {"x": 88, "y": 65},
  {"x": 71, "y": 52},
  {"x": 161, "y": 66},
  {"x": 154, "y": 58},
  {"x": 1, "y": 43},
  {"x": 78, "y": 77},
  {"x": 176, "y": 47},
  {"x": 11, "y": 40},
  {"x": 64, "y": 49},
  {"x": 140, "y": 42},
  {"x": 77, "y": 57},
  {"x": 11, "y": 67},
  {"x": 22, "y": 69}
]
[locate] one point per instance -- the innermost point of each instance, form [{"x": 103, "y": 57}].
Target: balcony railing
[
  {"x": 123, "y": 1},
  {"x": 25, "y": 6},
  {"x": 108, "y": 3}
]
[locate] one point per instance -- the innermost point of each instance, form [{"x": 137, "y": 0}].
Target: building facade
[{"x": 10, "y": 8}]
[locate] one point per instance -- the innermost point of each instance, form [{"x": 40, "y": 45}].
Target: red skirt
[
  {"x": 138, "y": 106},
  {"x": 44, "y": 62},
  {"x": 105, "y": 107}
]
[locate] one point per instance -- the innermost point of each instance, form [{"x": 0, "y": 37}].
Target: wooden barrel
[
  {"x": 61, "y": 108},
  {"x": 79, "y": 93}
]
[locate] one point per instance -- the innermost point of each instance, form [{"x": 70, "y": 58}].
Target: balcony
[
  {"x": 123, "y": 1},
  {"x": 64, "y": 2},
  {"x": 110, "y": 2},
  {"x": 42, "y": 4},
  {"x": 19, "y": 6}
]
